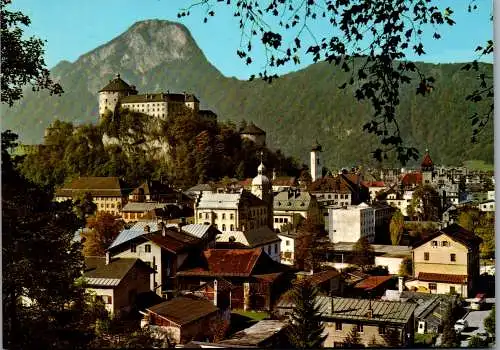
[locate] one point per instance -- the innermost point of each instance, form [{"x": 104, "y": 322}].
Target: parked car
[{"x": 461, "y": 325}]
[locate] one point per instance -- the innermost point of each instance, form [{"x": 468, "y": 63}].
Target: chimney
[
  {"x": 215, "y": 292},
  {"x": 108, "y": 258},
  {"x": 400, "y": 284}
]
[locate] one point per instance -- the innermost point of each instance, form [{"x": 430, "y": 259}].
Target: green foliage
[
  {"x": 425, "y": 204},
  {"x": 483, "y": 225},
  {"x": 363, "y": 253},
  {"x": 406, "y": 267},
  {"x": 287, "y": 110},
  {"x": 40, "y": 265},
  {"x": 450, "y": 338},
  {"x": 396, "y": 227},
  {"x": 83, "y": 205},
  {"x": 22, "y": 58},
  {"x": 476, "y": 342},
  {"x": 466, "y": 220},
  {"x": 489, "y": 322},
  {"x": 306, "y": 328}
]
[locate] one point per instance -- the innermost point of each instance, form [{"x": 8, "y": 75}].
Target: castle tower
[
  {"x": 254, "y": 134},
  {"x": 427, "y": 168},
  {"x": 262, "y": 188},
  {"x": 110, "y": 95},
  {"x": 316, "y": 167}
]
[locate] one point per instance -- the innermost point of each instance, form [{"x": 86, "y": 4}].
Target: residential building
[
  {"x": 349, "y": 224},
  {"x": 399, "y": 199},
  {"x": 374, "y": 188},
  {"x": 254, "y": 134},
  {"x": 262, "y": 237},
  {"x": 287, "y": 247},
  {"x": 283, "y": 183},
  {"x": 257, "y": 279},
  {"x": 117, "y": 281},
  {"x": 134, "y": 211},
  {"x": 488, "y": 206},
  {"x": 446, "y": 261},
  {"x": 184, "y": 318},
  {"x": 294, "y": 205},
  {"x": 163, "y": 248},
  {"x": 387, "y": 323},
  {"x": 108, "y": 193},
  {"x": 231, "y": 211},
  {"x": 340, "y": 189}
]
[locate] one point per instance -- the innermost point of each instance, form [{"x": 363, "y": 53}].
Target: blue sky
[{"x": 72, "y": 28}]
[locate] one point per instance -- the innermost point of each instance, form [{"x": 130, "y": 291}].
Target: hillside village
[{"x": 395, "y": 256}]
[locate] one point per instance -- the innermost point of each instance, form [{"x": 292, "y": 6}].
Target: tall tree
[
  {"x": 306, "y": 329},
  {"x": 368, "y": 39},
  {"x": 466, "y": 220},
  {"x": 106, "y": 225},
  {"x": 40, "y": 262},
  {"x": 426, "y": 203},
  {"x": 306, "y": 244},
  {"x": 22, "y": 58},
  {"x": 450, "y": 337},
  {"x": 363, "y": 253},
  {"x": 396, "y": 227}
]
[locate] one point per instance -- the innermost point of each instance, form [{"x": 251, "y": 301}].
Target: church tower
[
  {"x": 427, "y": 168},
  {"x": 262, "y": 188},
  {"x": 316, "y": 167}
]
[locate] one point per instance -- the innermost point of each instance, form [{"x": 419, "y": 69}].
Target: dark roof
[
  {"x": 373, "y": 183},
  {"x": 252, "y": 129},
  {"x": 156, "y": 97},
  {"x": 206, "y": 113},
  {"x": 116, "y": 84},
  {"x": 284, "y": 181},
  {"x": 332, "y": 184},
  {"x": 185, "y": 309},
  {"x": 372, "y": 282},
  {"x": 320, "y": 277},
  {"x": 97, "y": 186},
  {"x": 442, "y": 277},
  {"x": 97, "y": 272},
  {"x": 455, "y": 232},
  {"x": 226, "y": 262},
  {"x": 223, "y": 285}
]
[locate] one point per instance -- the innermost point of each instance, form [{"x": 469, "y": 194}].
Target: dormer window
[
  {"x": 434, "y": 244},
  {"x": 445, "y": 243}
]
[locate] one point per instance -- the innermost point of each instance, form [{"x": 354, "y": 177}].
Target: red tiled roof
[
  {"x": 284, "y": 181},
  {"x": 320, "y": 277},
  {"x": 330, "y": 184},
  {"x": 414, "y": 178},
  {"x": 442, "y": 277},
  {"x": 373, "y": 183},
  {"x": 372, "y": 282},
  {"x": 427, "y": 161},
  {"x": 227, "y": 262}
]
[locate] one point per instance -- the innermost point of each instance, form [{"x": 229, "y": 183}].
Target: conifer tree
[
  {"x": 306, "y": 330},
  {"x": 450, "y": 337}
]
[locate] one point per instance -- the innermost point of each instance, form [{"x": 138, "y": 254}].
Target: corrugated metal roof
[
  {"x": 197, "y": 230},
  {"x": 133, "y": 232},
  {"x": 105, "y": 282}
]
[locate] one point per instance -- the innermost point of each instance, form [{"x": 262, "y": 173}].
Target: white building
[
  {"x": 488, "y": 206},
  {"x": 287, "y": 247},
  {"x": 349, "y": 224},
  {"x": 316, "y": 167}
]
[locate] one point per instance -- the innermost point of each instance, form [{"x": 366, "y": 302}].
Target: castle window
[
  {"x": 231, "y": 227},
  {"x": 223, "y": 227},
  {"x": 231, "y": 216}
]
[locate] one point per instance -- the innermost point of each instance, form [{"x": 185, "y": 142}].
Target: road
[{"x": 475, "y": 318}]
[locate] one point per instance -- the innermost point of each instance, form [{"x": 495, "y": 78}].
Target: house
[
  {"x": 231, "y": 211},
  {"x": 446, "y": 261},
  {"x": 117, "y": 281},
  {"x": 487, "y": 206},
  {"x": 155, "y": 191},
  {"x": 184, "y": 318},
  {"x": 108, "y": 193},
  {"x": 262, "y": 237},
  {"x": 283, "y": 183},
  {"x": 411, "y": 180},
  {"x": 385, "y": 322},
  {"x": 328, "y": 281},
  {"x": 287, "y": 247},
  {"x": 263, "y": 334},
  {"x": 350, "y": 223},
  {"x": 218, "y": 291},
  {"x": 374, "y": 188},
  {"x": 340, "y": 189},
  {"x": 392, "y": 261},
  {"x": 292, "y": 206},
  {"x": 163, "y": 248},
  {"x": 254, "y": 134},
  {"x": 373, "y": 286},
  {"x": 134, "y": 211},
  {"x": 255, "y": 276}
]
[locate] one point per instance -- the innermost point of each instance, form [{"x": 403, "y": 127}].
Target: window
[
  {"x": 133, "y": 248},
  {"x": 223, "y": 227},
  {"x": 338, "y": 326},
  {"x": 432, "y": 286},
  {"x": 231, "y": 216},
  {"x": 445, "y": 243},
  {"x": 381, "y": 330},
  {"x": 206, "y": 215},
  {"x": 359, "y": 328},
  {"x": 275, "y": 219},
  {"x": 223, "y": 216},
  {"x": 147, "y": 248},
  {"x": 453, "y": 257},
  {"x": 285, "y": 219},
  {"x": 269, "y": 250},
  {"x": 287, "y": 242},
  {"x": 200, "y": 215},
  {"x": 275, "y": 248},
  {"x": 452, "y": 290},
  {"x": 434, "y": 244},
  {"x": 231, "y": 227},
  {"x": 281, "y": 220},
  {"x": 426, "y": 256}
]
